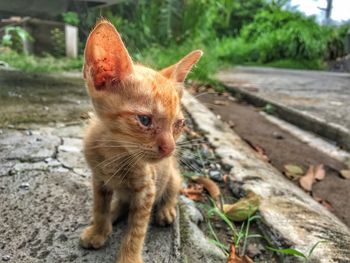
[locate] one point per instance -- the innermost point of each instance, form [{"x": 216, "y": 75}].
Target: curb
[
  {"x": 308, "y": 122},
  {"x": 290, "y": 217}
]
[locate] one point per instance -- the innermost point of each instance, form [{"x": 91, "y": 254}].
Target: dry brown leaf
[
  {"x": 345, "y": 174},
  {"x": 221, "y": 102},
  {"x": 319, "y": 172},
  {"x": 233, "y": 258},
  {"x": 191, "y": 132},
  {"x": 308, "y": 179},
  {"x": 212, "y": 188},
  {"x": 327, "y": 204},
  {"x": 262, "y": 153},
  {"x": 225, "y": 178},
  {"x": 193, "y": 192}
]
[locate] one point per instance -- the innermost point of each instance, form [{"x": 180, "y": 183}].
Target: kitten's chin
[{"x": 157, "y": 158}]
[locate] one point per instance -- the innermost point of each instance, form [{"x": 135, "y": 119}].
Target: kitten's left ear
[
  {"x": 106, "y": 57},
  {"x": 179, "y": 71}
]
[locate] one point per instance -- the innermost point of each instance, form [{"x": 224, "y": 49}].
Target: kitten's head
[{"x": 139, "y": 106}]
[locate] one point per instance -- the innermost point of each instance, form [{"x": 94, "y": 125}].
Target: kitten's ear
[
  {"x": 179, "y": 71},
  {"x": 106, "y": 58}
]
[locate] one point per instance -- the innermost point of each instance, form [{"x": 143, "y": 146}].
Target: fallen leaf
[
  {"x": 243, "y": 208},
  {"x": 311, "y": 175},
  {"x": 327, "y": 204},
  {"x": 262, "y": 153},
  {"x": 233, "y": 258},
  {"x": 212, "y": 188},
  {"x": 308, "y": 179},
  {"x": 221, "y": 102},
  {"x": 293, "y": 171},
  {"x": 225, "y": 178},
  {"x": 193, "y": 192},
  {"x": 319, "y": 172},
  {"x": 345, "y": 174},
  {"x": 191, "y": 132}
]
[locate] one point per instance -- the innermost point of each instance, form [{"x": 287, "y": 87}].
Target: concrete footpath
[
  {"x": 313, "y": 100},
  {"x": 45, "y": 189}
]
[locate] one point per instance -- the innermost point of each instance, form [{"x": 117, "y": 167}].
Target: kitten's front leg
[
  {"x": 138, "y": 220},
  {"x": 95, "y": 235}
]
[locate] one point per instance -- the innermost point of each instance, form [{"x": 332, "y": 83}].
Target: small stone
[
  {"x": 24, "y": 186},
  {"x": 217, "y": 166},
  {"x": 215, "y": 175},
  {"x": 6, "y": 257},
  {"x": 254, "y": 250},
  {"x": 231, "y": 124},
  {"x": 277, "y": 135},
  {"x": 218, "y": 225},
  {"x": 28, "y": 133}
]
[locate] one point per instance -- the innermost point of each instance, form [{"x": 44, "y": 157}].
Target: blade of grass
[
  {"x": 316, "y": 245},
  {"x": 288, "y": 251}
]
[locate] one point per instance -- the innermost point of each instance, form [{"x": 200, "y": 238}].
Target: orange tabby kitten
[{"x": 129, "y": 145}]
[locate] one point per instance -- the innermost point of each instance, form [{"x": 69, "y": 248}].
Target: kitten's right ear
[
  {"x": 179, "y": 71},
  {"x": 106, "y": 58}
]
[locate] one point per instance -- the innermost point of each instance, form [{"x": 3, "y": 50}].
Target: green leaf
[{"x": 288, "y": 251}]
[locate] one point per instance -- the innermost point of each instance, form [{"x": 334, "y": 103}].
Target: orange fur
[{"x": 132, "y": 163}]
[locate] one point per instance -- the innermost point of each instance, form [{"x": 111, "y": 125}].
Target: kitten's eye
[{"x": 145, "y": 120}]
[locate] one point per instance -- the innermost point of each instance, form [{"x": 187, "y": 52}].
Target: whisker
[
  {"x": 114, "y": 157},
  {"x": 128, "y": 158}
]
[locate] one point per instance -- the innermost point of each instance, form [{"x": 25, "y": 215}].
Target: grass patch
[{"x": 30, "y": 63}]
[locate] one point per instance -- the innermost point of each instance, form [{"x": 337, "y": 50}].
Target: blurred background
[{"x": 45, "y": 36}]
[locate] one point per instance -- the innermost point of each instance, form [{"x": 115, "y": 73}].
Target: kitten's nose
[{"x": 166, "y": 149}]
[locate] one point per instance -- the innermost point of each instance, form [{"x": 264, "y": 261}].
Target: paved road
[{"x": 321, "y": 96}]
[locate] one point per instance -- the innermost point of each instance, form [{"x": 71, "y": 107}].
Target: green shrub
[
  {"x": 279, "y": 34},
  {"x": 30, "y": 63}
]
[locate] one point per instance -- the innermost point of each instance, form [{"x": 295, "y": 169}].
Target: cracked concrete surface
[
  {"x": 45, "y": 195},
  {"x": 45, "y": 191}
]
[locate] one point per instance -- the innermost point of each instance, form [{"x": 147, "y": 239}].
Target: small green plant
[
  {"x": 15, "y": 37},
  {"x": 297, "y": 253},
  {"x": 239, "y": 236},
  {"x": 30, "y": 63},
  {"x": 71, "y": 18},
  {"x": 58, "y": 42},
  {"x": 269, "y": 108}
]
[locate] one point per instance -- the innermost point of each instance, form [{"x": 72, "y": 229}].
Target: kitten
[{"x": 129, "y": 145}]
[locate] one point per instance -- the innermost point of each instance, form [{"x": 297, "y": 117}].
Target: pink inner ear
[
  {"x": 179, "y": 71},
  {"x": 106, "y": 58}
]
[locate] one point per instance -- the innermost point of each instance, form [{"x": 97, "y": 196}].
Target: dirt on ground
[{"x": 282, "y": 148}]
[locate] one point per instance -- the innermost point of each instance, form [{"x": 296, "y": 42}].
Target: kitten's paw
[
  {"x": 166, "y": 215},
  {"x": 90, "y": 238}
]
